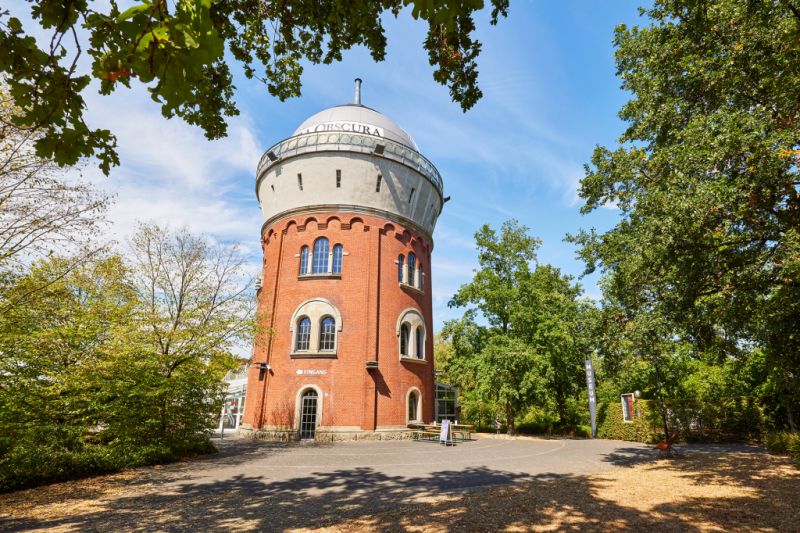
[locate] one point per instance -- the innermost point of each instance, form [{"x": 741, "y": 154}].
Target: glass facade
[{"x": 446, "y": 402}]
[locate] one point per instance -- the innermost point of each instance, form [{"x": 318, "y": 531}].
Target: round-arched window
[
  {"x": 303, "y": 334},
  {"x": 405, "y": 333},
  {"x": 413, "y": 406},
  {"x": 303, "y": 260},
  {"x": 320, "y": 261},
  {"x": 337, "y": 259},
  {"x": 420, "y": 341},
  {"x": 412, "y": 267},
  {"x": 400, "y": 262},
  {"x": 327, "y": 334}
]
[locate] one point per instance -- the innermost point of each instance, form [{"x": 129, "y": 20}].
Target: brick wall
[{"x": 370, "y": 301}]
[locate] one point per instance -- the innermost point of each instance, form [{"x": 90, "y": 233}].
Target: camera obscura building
[{"x": 349, "y": 207}]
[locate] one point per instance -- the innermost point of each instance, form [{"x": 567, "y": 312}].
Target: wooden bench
[
  {"x": 461, "y": 434},
  {"x": 425, "y": 434}
]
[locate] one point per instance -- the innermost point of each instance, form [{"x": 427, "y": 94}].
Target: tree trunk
[
  {"x": 562, "y": 409},
  {"x": 510, "y": 419}
]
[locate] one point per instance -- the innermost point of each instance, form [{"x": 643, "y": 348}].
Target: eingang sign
[{"x": 351, "y": 127}]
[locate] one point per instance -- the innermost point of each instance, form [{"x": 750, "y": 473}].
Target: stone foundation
[{"x": 324, "y": 435}]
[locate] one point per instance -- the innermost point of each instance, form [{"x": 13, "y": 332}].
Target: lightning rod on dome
[{"x": 357, "y": 97}]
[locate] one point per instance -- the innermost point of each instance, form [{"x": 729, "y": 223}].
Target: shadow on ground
[{"x": 362, "y": 498}]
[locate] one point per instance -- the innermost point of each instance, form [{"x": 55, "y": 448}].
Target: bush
[
  {"x": 784, "y": 442},
  {"x": 27, "y": 465},
  {"x": 31, "y": 465},
  {"x": 777, "y": 441}
]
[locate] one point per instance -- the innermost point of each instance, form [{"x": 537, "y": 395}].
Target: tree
[
  {"x": 52, "y": 354},
  {"x": 118, "y": 362},
  {"x": 555, "y": 322},
  {"x": 533, "y": 349},
  {"x": 504, "y": 266},
  {"x": 40, "y": 211},
  {"x": 178, "y": 50},
  {"x": 706, "y": 179},
  {"x": 196, "y": 309}
]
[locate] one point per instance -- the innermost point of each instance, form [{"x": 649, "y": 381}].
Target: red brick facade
[{"x": 370, "y": 301}]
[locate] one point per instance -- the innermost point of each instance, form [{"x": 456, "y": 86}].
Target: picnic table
[{"x": 462, "y": 432}]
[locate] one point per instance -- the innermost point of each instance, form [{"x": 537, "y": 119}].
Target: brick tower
[{"x": 349, "y": 209}]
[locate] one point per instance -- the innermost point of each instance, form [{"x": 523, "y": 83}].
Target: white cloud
[{"x": 171, "y": 174}]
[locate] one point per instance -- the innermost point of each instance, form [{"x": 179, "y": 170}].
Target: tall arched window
[
  {"x": 303, "y": 334},
  {"x": 420, "y": 338},
  {"x": 327, "y": 334},
  {"x": 320, "y": 260},
  {"x": 412, "y": 267},
  {"x": 337, "y": 259},
  {"x": 400, "y": 261},
  {"x": 413, "y": 406},
  {"x": 303, "y": 260},
  {"x": 405, "y": 333}
]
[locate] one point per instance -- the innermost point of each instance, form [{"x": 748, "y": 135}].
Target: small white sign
[{"x": 310, "y": 372}]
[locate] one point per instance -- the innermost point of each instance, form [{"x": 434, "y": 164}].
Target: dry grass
[
  {"x": 697, "y": 492},
  {"x": 743, "y": 491}
]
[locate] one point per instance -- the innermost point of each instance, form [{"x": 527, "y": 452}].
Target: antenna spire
[{"x": 357, "y": 97}]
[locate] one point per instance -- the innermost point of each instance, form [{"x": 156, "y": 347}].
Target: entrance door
[{"x": 308, "y": 414}]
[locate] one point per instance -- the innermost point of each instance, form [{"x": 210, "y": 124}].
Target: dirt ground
[
  {"x": 692, "y": 492},
  {"x": 714, "y": 489}
]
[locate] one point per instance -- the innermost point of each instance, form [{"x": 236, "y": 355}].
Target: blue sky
[{"x": 550, "y": 95}]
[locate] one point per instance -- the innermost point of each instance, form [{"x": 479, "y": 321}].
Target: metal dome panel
[{"x": 356, "y": 118}]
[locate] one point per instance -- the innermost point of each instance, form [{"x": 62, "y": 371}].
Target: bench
[{"x": 425, "y": 434}]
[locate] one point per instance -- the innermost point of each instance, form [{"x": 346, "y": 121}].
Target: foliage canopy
[
  {"x": 707, "y": 181},
  {"x": 182, "y": 52}
]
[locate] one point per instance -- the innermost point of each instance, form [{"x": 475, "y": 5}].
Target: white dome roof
[{"x": 359, "y": 119}]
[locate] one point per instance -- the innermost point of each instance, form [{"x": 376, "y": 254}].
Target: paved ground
[
  {"x": 270, "y": 486},
  {"x": 413, "y": 466}
]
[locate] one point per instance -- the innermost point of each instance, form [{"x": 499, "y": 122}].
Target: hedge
[
  {"x": 29, "y": 465},
  {"x": 644, "y": 428}
]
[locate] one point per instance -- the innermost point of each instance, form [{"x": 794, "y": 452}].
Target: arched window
[
  {"x": 327, "y": 334},
  {"x": 400, "y": 261},
  {"x": 320, "y": 261},
  {"x": 405, "y": 333},
  {"x": 413, "y": 406},
  {"x": 419, "y": 276},
  {"x": 303, "y": 334},
  {"x": 303, "y": 260},
  {"x": 411, "y": 335},
  {"x": 315, "y": 325},
  {"x": 337, "y": 259},
  {"x": 412, "y": 266}
]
